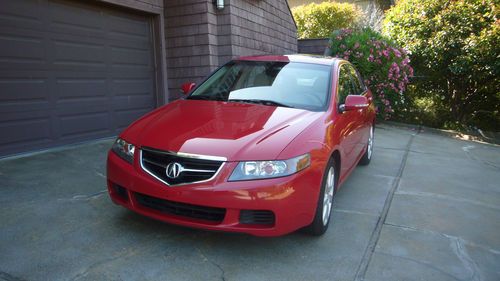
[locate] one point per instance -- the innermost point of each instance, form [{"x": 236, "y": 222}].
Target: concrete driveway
[{"x": 427, "y": 208}]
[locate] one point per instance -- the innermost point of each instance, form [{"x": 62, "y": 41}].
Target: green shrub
[
  {"x": 455, "y": 50},
  {"x": 383, "y": 65},
  {"x": 319, "y": 20}
]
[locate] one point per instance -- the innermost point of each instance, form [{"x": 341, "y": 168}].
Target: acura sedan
[{"x": 260, "y": 147}]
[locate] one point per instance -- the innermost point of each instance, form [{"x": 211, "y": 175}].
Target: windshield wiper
[
  {"x": 205, "y": 98},
  {"x": 263, "y": 102}
]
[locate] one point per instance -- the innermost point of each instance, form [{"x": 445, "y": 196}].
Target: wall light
[{"x": 219, "y": 4}]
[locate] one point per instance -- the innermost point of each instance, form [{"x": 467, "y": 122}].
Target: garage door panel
[
  {"x": 132, "y": 26},
  {"x": 87, "y": 106},
  {"x": 132, "y": 87},
  {"x": 34, "y": 130},
  {"x": 89, "y": 124},
  {"x": 78, "y": 89},
  {"x": 23, "y": 89},
  {"x": 19, "y": 95},
  {"x": 76, "y": 53},
  {"x": 71, "y": 17},
  {"x": 20, "y": 47},
  {"x": 17, "y": 13},
  {"x": 132, "y": 102},
  {"x": 122, "y": 56}
]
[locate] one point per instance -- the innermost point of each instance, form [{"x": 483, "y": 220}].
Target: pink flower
[
  {"x": 356, "y": 45},
  {"x": 396, "y": 52}
]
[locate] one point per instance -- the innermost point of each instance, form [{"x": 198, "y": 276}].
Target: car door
[
  {"x": 346, "y": 121},
  {"x": 361, "y": 116}
]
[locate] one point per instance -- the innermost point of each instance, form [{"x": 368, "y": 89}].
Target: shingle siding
[
  {"x": 187, "y": 42},
  {"x": 262, "y": 27},
  {"x": 313, "y": 46}
]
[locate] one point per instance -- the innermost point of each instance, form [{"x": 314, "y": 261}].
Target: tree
[
  {"x": 455, "y": 50},
  {"x": 319, "y": 20}
]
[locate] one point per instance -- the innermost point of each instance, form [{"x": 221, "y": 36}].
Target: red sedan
[{"x": 260, "y": 147}]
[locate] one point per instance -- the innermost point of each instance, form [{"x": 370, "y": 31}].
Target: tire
[
  {"x": 367, "y": 157},
  {"x": 325, "y": 201}
]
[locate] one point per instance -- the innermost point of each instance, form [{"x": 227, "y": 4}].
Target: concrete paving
[{"x": 426, "y": 208}]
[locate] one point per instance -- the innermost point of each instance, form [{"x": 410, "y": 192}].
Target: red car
[{"x": 260, "y": 147}]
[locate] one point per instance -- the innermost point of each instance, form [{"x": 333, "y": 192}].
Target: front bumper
[{"x": 219, "y": 204}]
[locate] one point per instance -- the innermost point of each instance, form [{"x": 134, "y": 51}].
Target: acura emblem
[{"x": 173, "y": 170}]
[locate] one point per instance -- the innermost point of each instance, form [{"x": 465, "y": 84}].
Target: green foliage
[
  {"x": 319, "y": 20},
  {"x": 455, "y": 50},
  {"x": 383, "y": 65}
]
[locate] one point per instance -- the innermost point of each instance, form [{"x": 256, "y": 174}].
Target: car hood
[{"x": 236, "y": 131}]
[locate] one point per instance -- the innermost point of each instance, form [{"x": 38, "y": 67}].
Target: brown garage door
[{"x": 70, "y": 72}]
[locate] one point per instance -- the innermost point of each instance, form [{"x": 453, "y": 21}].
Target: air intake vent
[
  {"x": 257, "y": 217},
  {"x": 181, "y": 209}
]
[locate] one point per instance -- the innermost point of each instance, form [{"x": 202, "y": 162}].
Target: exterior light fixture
[{"x": 219, "y": 4}]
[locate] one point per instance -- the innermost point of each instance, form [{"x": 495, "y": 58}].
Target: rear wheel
[
  {"x": 367, "y": 157},
  {"x": 325, "y": 201}
]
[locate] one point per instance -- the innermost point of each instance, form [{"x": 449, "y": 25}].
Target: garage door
[{"x": 70, "y": 72}]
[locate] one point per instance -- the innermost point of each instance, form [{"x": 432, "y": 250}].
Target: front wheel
[
  {"x": 325, "y": 201},
  {"x": 367, "y": 157}
]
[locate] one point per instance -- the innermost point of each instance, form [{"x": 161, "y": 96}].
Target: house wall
[
  {"x": 199, "y": 38},
  {"x": 189, "y": 40},
  {"x": 313, "y": 46},
  {"x": 262, "y": 27}
]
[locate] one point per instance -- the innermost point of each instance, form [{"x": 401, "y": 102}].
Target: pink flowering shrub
[{"x": 384, "y": 66}]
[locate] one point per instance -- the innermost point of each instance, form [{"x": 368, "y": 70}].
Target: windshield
[{"x": 287, "y": 84}]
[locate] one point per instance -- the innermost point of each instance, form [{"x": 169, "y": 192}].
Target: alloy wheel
[
  {"x": 370, "y": 143},
  {"x": 328, "y": 195}
]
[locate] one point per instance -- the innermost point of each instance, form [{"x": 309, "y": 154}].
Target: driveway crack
[
  {"x": 204, "y": 256},
  {"x": 365, "y": 260},
  {"x": 421, "y": 263},
  {"x": 84, "y": 197},
  {"x": 457, "y": 244}
]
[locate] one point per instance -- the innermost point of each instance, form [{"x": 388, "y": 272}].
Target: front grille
[
  {"x": 181, "y": 209},
  {"x": 193, "y": 170},
  {"x": 261, "y": 217}
]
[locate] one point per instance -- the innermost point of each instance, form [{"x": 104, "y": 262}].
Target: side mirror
[
  {"x": 187, "y": 87},
  {"x": 354, "y": 102}
]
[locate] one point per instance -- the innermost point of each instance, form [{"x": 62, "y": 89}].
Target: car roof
[{"x": 314, "y": 59}]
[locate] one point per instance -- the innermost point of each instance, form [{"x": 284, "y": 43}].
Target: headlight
[
  {"x": 124, "y": 149},
  {"x": 253, "y": 170}
]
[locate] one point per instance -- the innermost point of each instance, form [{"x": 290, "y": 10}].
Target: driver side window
[{"x": 345, "y": 85}]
